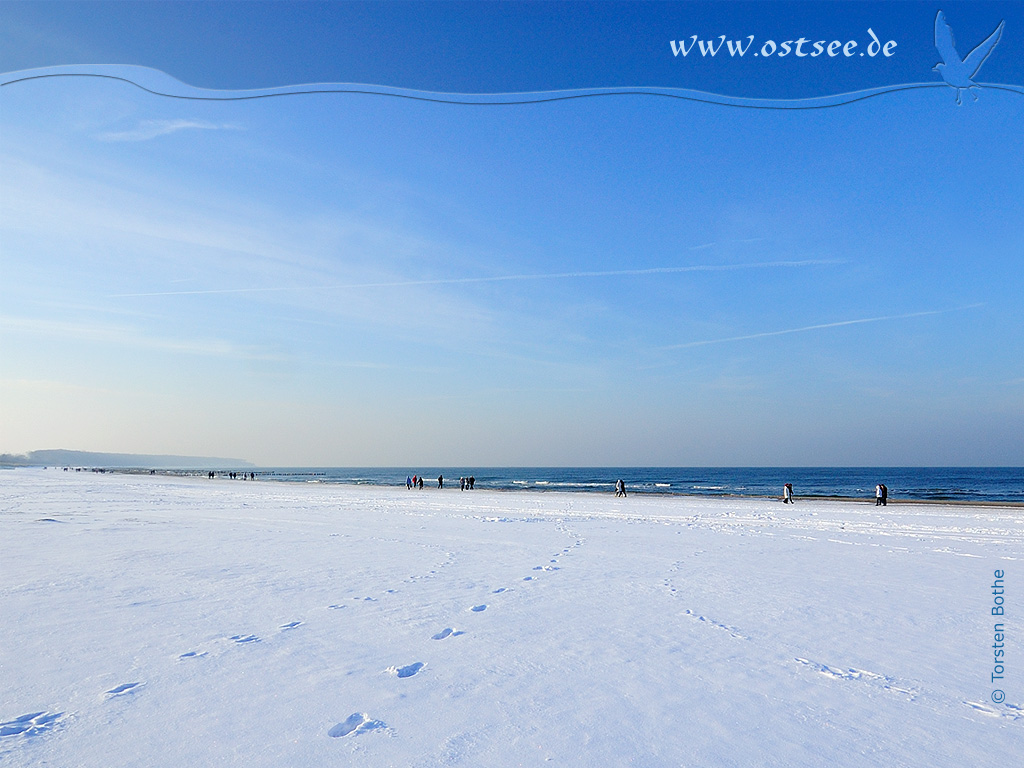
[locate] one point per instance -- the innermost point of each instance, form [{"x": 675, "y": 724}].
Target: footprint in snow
[
  {"x": 291, "y": 625},
  {"x": 407, "y": 671},
  {"x": 244, "y": 638},
  {"x": 478, "y": 608},
  {"x": 192, "y": 655},
  {"x": 122, "y": 690},
  {"x": 30, "y": 725},
  {"x": 731, "y": 630},
  {"x": 499, "y": 590},
  {"x": 851, "y": 673},
  {"x": 1005, "y": 710},
  {"x": 447, "y": 632},
  {"x": 355, "y": 724}
]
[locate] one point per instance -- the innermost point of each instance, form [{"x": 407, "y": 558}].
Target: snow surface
[{"x": 157, "y": 621}]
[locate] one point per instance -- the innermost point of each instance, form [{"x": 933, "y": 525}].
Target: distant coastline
[{"x": 88, "y": 459}]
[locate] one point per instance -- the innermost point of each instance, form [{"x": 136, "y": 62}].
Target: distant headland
[{"x": 66, "y": 458}]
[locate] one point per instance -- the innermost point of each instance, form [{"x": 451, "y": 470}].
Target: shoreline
[{"x": 868, "y": 500}]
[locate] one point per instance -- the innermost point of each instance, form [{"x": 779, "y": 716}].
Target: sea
[{"x": 951, "y": 484}]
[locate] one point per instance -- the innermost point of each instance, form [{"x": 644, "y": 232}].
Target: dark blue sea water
[{"x": 1000, "y": 484}]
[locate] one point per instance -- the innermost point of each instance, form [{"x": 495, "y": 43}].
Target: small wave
[{"x": 663, "y": 485}]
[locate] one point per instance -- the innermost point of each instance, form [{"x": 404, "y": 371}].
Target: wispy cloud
[
  {"x": 818, "y": 327},
  {"x": 50, "y": 385},
  {"x": 150, "y": 129},
  {"x": 727, "y": 242},
  {"x": 499, "y": 278},
  {"x": 130, "y": 337}
]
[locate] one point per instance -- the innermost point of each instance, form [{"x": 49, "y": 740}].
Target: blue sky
[{"x": 343, "y": 279}]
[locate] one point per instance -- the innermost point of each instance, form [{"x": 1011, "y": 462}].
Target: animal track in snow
[
  {"x": 499, "y": 590},
  {"x": 337, "y": 607},
  {"x": 355, "y": 724},
  {"x": 290, "y": 625},
  {"x": 478, "y": 608},
  {"x": 245, "y": 639},
  {"x": 192, "y": 655},
  {"x": 122, "y": 690},
  {"x": 30, "y": 725},
  {"x": 547, "y": 568},
  {"x": 882, "y": 681},
  {"x": 407, "y": 671},
  {"x": 1009, "y": 711},
  {"x": 731, "y": 630}
]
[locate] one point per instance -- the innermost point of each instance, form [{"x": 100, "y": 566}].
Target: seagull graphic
[{"x": 955, "y": 71}]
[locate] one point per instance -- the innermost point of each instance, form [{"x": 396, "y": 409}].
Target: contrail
[
  {"x": 819, "y": 327},
  {"x": 495, "y": 279}
]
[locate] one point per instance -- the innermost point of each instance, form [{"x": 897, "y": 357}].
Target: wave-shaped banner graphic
[{"x": 161, "y": 84}]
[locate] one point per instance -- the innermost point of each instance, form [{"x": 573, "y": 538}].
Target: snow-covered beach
[{"x": 189, "y": 622}]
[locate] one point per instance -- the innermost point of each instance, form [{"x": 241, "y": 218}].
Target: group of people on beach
[
  {"x": 233, "y": 475},
  {"x": 416, "y": 481},
  {"x": 468, "y": 484},
  {"x": 881, "y": 494}
]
